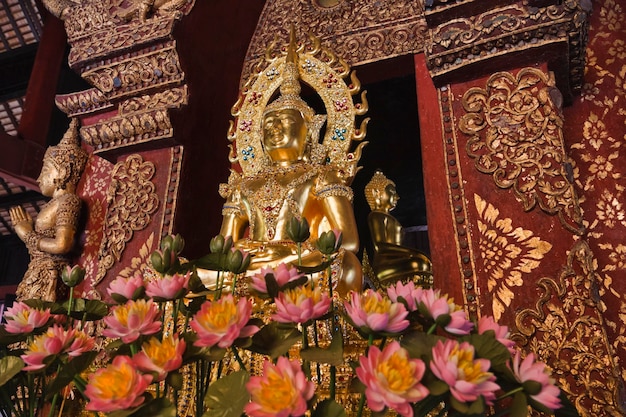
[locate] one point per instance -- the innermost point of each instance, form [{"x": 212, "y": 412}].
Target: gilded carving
[
  {"x": 459, "y": 42},
  {"x": 83, "y": 102},
  {"x": 516, "y": 137},
  {"x": 100, "y": 44},
  {"x": 508, "y": 253},
  {"x": 121, "y": 131},
  {"x": 131, "y": 201},
  {"x": 566, "y": 329},
  {"x": 171, "y": 98},
  {"x": 358, "y": 31},
  {"x": 147, "y": 69}
]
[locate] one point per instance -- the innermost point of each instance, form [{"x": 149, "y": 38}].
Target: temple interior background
[{"x": 419, "y": 74}]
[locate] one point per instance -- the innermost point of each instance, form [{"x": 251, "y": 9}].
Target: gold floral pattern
[
  {"x": 516, "y": 137},
  {"x": 507, "y": 253},
  {"x": 595, "y": 128}
]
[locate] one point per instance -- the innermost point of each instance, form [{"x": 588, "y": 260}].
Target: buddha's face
[
  {"x": 46, "y": 178},
  {"x": 284, "y": 135},
  {"x": 389, "y": 198}
]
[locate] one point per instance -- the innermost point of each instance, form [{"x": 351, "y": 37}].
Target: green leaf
[
  {"x": 7, "y": 338},
  {"x": 227, "y": 396},
  {"x": 210, "y": 261},
  {"x": 428, "y": 404},
  {"x": 332, "y": 355},
  {"x": 42, "y": 305},
  {"x": 329, "y": 408},
  {"x": 68, "y": 371},
  {"x": 487, "y": 347},
  {"x": 9, "y": 367},
  {"x": 89, "y": 310},
  {"x": 567, "y": 408},
  {"x": 159, "y": 407},
  {"x": 419, "y": 344},
  {"x": 437, "y": 387},
  {"x": 274, "y": 340},
  {"x": 519, "y": 405}
]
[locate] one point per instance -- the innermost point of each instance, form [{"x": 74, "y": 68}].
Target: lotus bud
[
  {"x": 228, "y": 244},
  {"x": 329, "y": 242},
  {"x": 178, "y": 244},
  {"x": 217, "y": 244},
  {"x": 237, "y": 261},
  {"x": 167, "y": 242},
  {"x": 298, "y": 230},
  {"x": 72, "y": 276}
]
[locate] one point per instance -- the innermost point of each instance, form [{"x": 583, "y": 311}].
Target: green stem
[
  {"x": 306, "y": 365},
  {"x": 70, "y": 301},
  {"x": 299, "y": 246},
  {"x": 239, "y": 360},
  {"x": 510, "y": 393},
  {"x": 133, "y": 349},
  {"x": 361, "y": 404},
  {"x": 232, "y": 288},
  {"x": 432, "y": 328}
]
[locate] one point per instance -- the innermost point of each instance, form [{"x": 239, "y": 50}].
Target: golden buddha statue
[
  {"x": 391, "y": 260},
  {"x": 51, "y": 237},
  {"x": 293, "y": 174}
]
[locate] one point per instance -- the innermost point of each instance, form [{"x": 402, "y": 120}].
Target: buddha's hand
[
  {"x": 22, "y": 222},
  {"x": 268, "y": 251}
]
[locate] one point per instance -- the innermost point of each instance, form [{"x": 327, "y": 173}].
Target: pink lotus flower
[
  {"x": 169, "y": 287},
  {"x": 281, "y": 391},
  {"x": 127, "y": 288},
  {"x": 24, "y": 319},
  {"x": 545, "y": 392},
  {"x": 81, "y": 343},
  {"x": 392, "y": 379},
  {"x": 445, "y": 312},
  {"x": 486, "y": 323},
  {"x": 468, "y": 378},
  {"x": 160, "y": 357},
  {"x": 120, "y": 386},
  {"x": 301, "y": 304},
  {"x": 408, "y": 292},
  {"x": 131, "y": 320},
  {"x": 282, "y": 273},
  {"x": 54, "y": 341},
  {"x": 221, "y": 322},
  {"x": 371, "y": 313}
]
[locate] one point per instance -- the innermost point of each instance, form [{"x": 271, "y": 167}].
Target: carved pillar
[
  {"x": 510, "y": 214},
  {"x": 130, "y": 186}
]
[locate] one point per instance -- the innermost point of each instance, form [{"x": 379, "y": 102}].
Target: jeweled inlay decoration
[{"x": 507, "y": 252}]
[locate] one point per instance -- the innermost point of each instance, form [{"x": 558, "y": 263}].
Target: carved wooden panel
[{"x": 131, "y": 206}]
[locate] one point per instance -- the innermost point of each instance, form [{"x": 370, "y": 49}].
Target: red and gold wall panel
[{"x": 130, "y": 207}]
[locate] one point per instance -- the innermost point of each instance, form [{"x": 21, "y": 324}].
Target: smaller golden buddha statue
[
  {"x": 391, "y": 261},
  {"x": 51, "y": 237}
]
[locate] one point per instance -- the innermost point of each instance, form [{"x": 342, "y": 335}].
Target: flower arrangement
[{"x": 277, "y": 343}]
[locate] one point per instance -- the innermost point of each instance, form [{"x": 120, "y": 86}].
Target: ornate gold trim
[
  {"x": 516, "y": 136},
  {"x": 460, "y": 42},
  {"x": 360, "y": 31},
  {"x": 566, "y": 329}
]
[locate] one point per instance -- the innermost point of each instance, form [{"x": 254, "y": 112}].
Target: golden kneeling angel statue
[
  {"x": 286, "y": 172},
  {"x": 51, "y": 237},
  {"x": 391, "y": 261}
]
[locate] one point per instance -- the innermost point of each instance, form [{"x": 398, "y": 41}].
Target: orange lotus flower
[
  {"x": 160, "y": 357},
  {"x": 281, "y": 391},
  {"x": 222, "y": 321},
  {"x": 119, "y": 386},
  {"x": 131, "y": 320}
]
